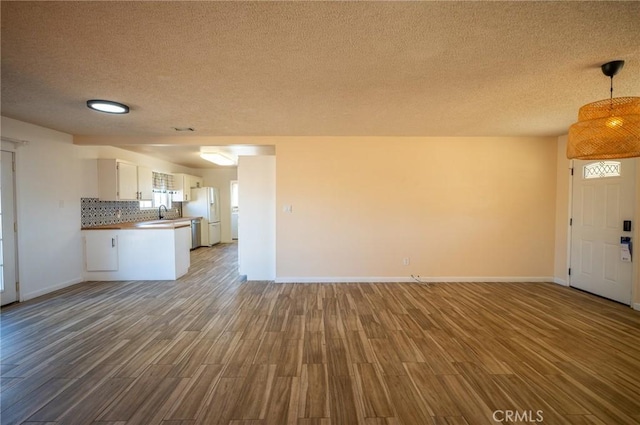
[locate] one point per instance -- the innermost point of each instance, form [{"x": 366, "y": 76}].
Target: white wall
[
  {"x": 48, "y": 188},
  {"x": 221, "y": 178},
  {"x": 52, "y": 174},
  {"x": 257, "y": 231}
]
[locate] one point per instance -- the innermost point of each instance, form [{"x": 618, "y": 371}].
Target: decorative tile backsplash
[{"x": 96, "y": 212}]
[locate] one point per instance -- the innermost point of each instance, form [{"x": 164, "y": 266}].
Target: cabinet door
[
  {"x": 101, "y": 250},
  {"x": 127, "y": 181},
  {"x": 145, "y": 183},
  {"x": 188, "y": 181},
  {"x": 186, "y": 194},
  {"x": 186, "y": 187},
  {"x": 183, "y": 192},
  {"x": 178, "y": 182}
]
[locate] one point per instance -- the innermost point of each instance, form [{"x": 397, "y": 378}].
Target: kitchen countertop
[{"x": 174, "y": 223}]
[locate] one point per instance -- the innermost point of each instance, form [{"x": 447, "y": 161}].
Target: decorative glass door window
[{"x": 601, "y": 169}]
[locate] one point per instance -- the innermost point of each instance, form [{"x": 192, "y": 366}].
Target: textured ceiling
[{"x": 314, "y": 68}]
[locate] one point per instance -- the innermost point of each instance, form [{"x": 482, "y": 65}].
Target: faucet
[{"x": 160, "y": 216}]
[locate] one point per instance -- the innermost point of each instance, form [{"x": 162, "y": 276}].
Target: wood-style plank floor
[{"x": 213, "y": 349}]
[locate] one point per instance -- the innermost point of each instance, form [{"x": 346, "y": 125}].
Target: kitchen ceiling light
[
  {"x": 217, "y": 158},
  {"x": 608, "y": 128},
  {"x": 107, "y": 106}
]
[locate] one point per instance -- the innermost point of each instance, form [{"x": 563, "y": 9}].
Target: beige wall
[
  {"x": 456, "y": 207},
  {"x": 563, "y": 190}
]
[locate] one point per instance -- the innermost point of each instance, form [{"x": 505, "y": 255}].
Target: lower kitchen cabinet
[
  {"x": 101, "y": 251},
  {"x": 137, "y": 254}
]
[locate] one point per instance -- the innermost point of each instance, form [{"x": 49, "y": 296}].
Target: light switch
[{"x": 288, "y": 208}]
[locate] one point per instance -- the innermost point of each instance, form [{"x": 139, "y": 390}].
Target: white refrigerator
[{"x": 205, "y": 203}]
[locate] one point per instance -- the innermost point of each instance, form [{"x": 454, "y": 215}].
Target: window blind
[{"x": 163, "y": 182}]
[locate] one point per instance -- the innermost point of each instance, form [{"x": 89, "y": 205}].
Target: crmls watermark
[{"x": 532, "y": 416}]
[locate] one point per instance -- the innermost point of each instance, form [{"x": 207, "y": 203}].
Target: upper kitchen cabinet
[
  {"x": 183, "y": 185},
  {"x": 123, "y": 181},
  {"x": 145, "y": 183}
]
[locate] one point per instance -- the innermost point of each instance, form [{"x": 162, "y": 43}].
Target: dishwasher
[{"x": 195, "y": 233}]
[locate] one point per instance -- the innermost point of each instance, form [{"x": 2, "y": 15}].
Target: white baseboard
[
  {"x": 391, "y": 279},
  {"x": 43, "y": 291},
  {"x": 560, "y": 281},
  {"x": 636, "y": 306}
]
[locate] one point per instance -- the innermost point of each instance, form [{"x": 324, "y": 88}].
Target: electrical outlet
[{"x": 405, "y": 261}]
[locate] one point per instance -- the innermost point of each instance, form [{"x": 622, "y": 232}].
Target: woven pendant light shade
[{"x": 606, "y": 129}]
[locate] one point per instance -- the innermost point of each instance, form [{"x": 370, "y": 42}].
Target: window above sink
[{"x": 163, "y": 189}]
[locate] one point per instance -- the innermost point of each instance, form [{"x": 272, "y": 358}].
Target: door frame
[
  {"x": 10, "y": 147},
  {"x": 635, "y": 232}
]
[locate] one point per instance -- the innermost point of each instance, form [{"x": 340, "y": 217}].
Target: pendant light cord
[
  {"x": 611, "y": 90},
  {"x": 611, "y": 97}
]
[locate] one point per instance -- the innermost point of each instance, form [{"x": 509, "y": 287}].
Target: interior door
[
  {"x": 8, "y": 257},
  {"x": 603, "y": 198}
]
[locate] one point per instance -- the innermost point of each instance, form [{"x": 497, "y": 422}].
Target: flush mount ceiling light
[
  {"x": 608, "y": 128},
  {"x": 107, "y": 106},
  {"x": 217, "y": 158}
]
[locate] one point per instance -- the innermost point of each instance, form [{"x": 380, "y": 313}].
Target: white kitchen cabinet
[
  {"x": 183, "y": 184},
  {"x": 145, "y": 253},
  {"x": 180, "y": 183},
  {"x": 126, "y": 180},
  {"x": 145, "y": 183},
  {"x": 123, "y": 181},
  {"x": 101, "y": 250}
]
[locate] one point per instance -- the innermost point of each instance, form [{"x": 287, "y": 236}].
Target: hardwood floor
[{"x": 212, "y": 349}]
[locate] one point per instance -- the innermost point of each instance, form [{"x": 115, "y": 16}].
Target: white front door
[
  {"x": 603, "y": 198},
  {"x": 8, "y": 277}
]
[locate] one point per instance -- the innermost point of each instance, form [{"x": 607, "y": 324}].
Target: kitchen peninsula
[{"x": 148, "y": 250}]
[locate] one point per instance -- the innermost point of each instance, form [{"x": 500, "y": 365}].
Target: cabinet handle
[{"x": 113, "y": 242}]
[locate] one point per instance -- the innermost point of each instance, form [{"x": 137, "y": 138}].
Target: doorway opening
[{"x": 234, "y": 210}]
